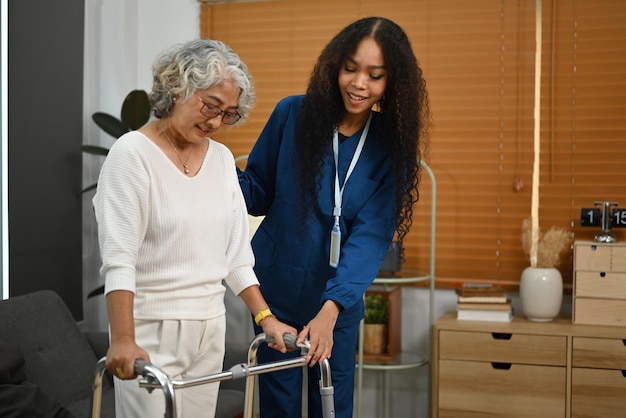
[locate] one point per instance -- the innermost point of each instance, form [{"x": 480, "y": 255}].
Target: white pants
[{"x": 183, "y": 350}]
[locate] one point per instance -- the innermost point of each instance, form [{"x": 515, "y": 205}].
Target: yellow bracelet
[{"x": 262, "y": 315}]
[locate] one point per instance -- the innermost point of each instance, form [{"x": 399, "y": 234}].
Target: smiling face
[
  {"x": 363, "y": 78},
  {"x": 189, "y": 119}
]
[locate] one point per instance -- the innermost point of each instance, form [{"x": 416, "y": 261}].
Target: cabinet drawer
[
  {"x": 478, "y": 389},
  {"x": 592, "y": 257},
  {"x": 600, "y": 257},
  {"x": 618, "y": 259},
  {"x": 599, "y": 311},
  {"x": 604, "y": 353},
  {"x": 500, "y": 347},
  {"x": 601, "y": 285},
  {"x": 598, "y": 393}
]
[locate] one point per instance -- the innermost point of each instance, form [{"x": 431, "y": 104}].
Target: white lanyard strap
[
  {"x": 355, "y": 159},
  {"x": 335, "y": 233}
]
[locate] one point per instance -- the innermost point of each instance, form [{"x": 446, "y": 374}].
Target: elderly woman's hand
[
  {"x": 276, "y": 329},
  {"x": 121, "y": 358}
]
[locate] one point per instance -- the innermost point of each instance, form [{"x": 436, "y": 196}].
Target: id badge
[{"x": 335, "y": 245}]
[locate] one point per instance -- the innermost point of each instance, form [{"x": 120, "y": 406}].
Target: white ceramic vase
[{"x": 541, "y": 293}]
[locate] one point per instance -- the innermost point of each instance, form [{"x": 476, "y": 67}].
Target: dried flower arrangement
[{"x": 550, "y": 244}]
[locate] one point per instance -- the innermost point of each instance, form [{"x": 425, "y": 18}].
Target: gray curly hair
[{"x": 198, "y": 65}]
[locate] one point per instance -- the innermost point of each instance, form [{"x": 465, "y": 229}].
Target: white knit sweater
[{"x": 169, "y": 238}]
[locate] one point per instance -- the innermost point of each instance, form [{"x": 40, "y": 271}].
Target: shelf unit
[
  {"x": 526, "y": 369},
  {"x": 404, "y": 360}
]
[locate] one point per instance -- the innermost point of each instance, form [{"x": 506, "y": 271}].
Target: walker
[{"x": 155, "y": 378}]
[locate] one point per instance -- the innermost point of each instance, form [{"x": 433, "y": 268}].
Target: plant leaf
[
  {"x": 135, "y": 109},
  {"x": 95, "y": 150},
  {"x": 109, "y": 124},
  {"x": 89, "y": 188},
  {"x": 376, "y": 309},
  {"x": 97, "y": 291}
]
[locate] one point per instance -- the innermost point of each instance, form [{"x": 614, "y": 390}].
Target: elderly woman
[{"x": 172, "y": 225}]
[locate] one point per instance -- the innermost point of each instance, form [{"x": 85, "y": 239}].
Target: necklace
[{"x": 185, "y": 163}]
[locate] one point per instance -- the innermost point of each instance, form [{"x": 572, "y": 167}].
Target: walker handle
[
  {"x": 140, "y": 367},
  {"x": 290, "y": 340}
]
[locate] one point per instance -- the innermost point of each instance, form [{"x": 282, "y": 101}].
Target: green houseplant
[
  {"x": 134, "y": 114},
  {"x": 376, "y": 309},
  {"x": 375, "y": 323}
]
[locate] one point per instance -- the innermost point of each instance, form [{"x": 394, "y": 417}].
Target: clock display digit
[
  {"x": 591, "y": 217},
  {"x": 619, "y": 218}
]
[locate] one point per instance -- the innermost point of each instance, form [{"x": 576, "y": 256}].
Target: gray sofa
[
  {"x": 52, "y": 362},
  {"x": 47, "y": 363}
]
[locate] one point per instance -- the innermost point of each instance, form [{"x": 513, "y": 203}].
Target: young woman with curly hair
[{"x": 335, "y": 172}]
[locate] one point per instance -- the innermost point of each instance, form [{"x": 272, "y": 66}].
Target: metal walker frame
[{"x": 155, "y": 378}]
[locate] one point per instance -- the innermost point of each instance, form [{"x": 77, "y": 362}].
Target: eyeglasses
[{"x": 211, "y": 112}]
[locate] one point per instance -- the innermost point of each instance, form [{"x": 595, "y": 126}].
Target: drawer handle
[
  {"x": 624, "y": 373},
  {"x": 501, "y": 335},
  {"x": 501, "y": 366},
  {"x": 602, "y": 274}
]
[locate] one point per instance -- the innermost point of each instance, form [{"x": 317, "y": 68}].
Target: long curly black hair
[{"x": 404, "y": 109}]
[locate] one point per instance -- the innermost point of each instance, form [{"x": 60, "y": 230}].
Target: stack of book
[{"x": 483, "y": 303}]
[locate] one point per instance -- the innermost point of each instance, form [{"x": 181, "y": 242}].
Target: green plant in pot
[
  {"x": 135, "y": 113},
  {"x": 375, "y": 323}
]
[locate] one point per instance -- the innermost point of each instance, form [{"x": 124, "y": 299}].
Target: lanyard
[{"x": 335, "y": 235}]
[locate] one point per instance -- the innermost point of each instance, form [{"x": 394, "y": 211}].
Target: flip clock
[{"x": 606, "y": 215}]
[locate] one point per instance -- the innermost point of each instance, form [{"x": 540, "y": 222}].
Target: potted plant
[
  {"x": 134, "y": 114},
  {"x": 375, "y": 323}
]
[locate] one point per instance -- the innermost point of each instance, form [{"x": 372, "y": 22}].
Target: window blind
[{"x": 478, "y": 58}]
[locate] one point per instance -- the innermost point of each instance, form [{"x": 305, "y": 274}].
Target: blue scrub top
[{"x": 295, "y": 276}]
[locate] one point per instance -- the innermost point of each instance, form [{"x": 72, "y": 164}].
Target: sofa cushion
[
  {"x": 58, "y": 359},
  {"x": 18, "y": 397},
  {"x": 27, "y": 400}
]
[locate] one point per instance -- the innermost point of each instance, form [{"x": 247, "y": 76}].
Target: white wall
[
  {"x": 4, "y": 147},
  {"x": 122, "y": 39}
]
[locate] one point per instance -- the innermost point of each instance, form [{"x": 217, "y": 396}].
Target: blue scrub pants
[{"x": 280, "y": 392}]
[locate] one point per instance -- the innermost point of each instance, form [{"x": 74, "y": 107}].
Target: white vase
[{"x": 541, "y": 293}]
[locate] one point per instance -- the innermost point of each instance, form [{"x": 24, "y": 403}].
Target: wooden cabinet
[
  {"x": 527, "y": 369},
  {"x": 495, "y": 373},
  {"x": 599, "y": 295},
  {"x": 598, "y": 376}
]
